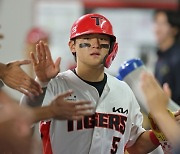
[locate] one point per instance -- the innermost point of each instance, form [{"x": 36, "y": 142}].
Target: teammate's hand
[
  {"x": 14, "y": 77},
  {"x": 156, "y": 98},
  {"x": 15, "y": 127},
  {"x": 177, "y": 116},
  {"x": 43, "y": 64},
  {"x": 167, "y": 90},
  {"x": 64, "y": 109}
]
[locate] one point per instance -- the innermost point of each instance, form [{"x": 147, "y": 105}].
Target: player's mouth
[{"x": 95, "y": 54}]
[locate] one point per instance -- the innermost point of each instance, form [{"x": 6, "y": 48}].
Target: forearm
[
  {"x": 168, "y": 126},
  {"x": 32, "y": 100},
  {"x": 42, "y": 113},
  {"x": 142, "y": 145}
]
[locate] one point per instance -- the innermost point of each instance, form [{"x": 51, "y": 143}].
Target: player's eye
[
  {"x": 103, "y": 39},
  {"x": 86, "y": 38},
  {"x": 105, "y": 46}
]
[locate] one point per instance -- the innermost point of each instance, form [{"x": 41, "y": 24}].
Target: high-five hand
[
  {"x": 14, "y": 77},
  {"x": 44, "y": 67},
  {"x": 71, "y": 110}
]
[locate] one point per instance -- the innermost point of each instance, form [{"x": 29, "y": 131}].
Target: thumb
[
  {"x": 57, "y": 63},
  {"x": 23, "y": 62},
  {"x": 167, "y": 89},
  {"x": 177, "y": 113}
]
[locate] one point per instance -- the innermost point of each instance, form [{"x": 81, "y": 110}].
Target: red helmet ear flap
[{"x": 109, "y": 58}]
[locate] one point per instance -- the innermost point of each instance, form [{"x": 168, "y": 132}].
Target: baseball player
[{"x": 116, "y": 124}]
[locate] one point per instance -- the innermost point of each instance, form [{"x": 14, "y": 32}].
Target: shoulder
[
  {"x": 117, "y": 84},
  {"x": 61, "y": 77}
]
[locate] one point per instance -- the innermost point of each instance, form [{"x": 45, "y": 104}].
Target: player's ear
[{"x": 72, "y": 46}]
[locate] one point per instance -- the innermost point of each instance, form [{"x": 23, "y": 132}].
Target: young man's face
[
  {"x": 91, "y": 49},
  {"x": 163, "y": 30}
]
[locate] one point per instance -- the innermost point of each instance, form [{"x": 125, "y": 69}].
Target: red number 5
[{"x": 114, "y": 144}]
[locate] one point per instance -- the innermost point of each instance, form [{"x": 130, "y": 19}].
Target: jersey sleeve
[
  {"x": 50, "y": 93},
  {"x": 136, "y": 124},
  {"x": 46, "y": 142}
]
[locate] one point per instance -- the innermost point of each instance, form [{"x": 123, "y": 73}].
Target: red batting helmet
[
  {"x": 95, "y": 24},
  {"x": 91, "y": 24}
]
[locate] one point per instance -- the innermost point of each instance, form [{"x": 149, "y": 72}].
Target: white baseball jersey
[{"x": 116, "y": 124}]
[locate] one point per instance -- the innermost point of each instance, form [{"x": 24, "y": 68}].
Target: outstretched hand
[
  {"x": 16, "y": 78},
  {"x": 155, "y": 96},
  {"x": 64, "y": 109},
  {"x": 44, "y": 67}
]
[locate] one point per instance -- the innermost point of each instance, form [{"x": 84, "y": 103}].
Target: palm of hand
[
  {"x": 43, "y": 64},
  {"x": 45, "y": 70}
]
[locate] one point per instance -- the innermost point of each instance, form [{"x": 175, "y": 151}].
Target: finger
[
  {"x": 28, "y": 89},
  {"x": 177, "y": 119},
  {"x": 84, "y": 113},
  {"x": 76, "y": 117},
  {"x": 23, "y": 62},
  {"x": 38, "y": 52},
  {"x": 42, "y": 50},
  {"x": 48, "y": 53},
  {"x": 34, "y": 60},
  {"x": 167, "y": 89},
  {"x": 66, "y": 94},
  {"x": 84, "y": 107},
  {"x": 76, "y": 103},
  {"x": 31, "y": 86},
  {"x": 35, "y": 86},
  {"x": 22, "y": 90},
  {"x": 177, "y": 113}
]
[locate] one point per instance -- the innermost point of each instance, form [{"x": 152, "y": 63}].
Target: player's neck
[{"x": 90, "y": 74}]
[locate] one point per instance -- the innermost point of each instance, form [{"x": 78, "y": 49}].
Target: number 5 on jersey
[{"x": 115, "y": 142}]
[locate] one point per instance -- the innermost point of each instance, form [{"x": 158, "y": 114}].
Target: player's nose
[{"x": 95, "y": 43}]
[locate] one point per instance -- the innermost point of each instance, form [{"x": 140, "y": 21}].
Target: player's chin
[{"x": 97, "y": 65}]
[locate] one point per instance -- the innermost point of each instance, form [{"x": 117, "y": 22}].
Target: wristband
[{"x": 153, "y": 138}]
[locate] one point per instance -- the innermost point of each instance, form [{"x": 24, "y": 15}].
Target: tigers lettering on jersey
[{"x": 111, "y": 121}]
